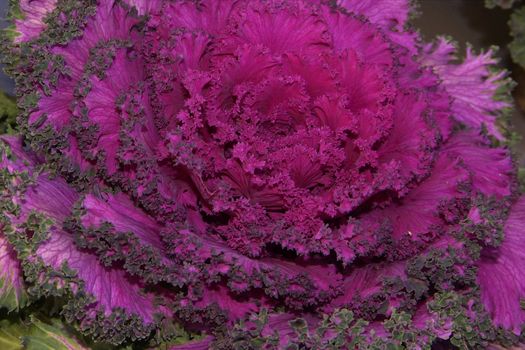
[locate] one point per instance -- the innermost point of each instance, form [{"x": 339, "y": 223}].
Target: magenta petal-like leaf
[
  {"x": 386, "y": 13},
  {"x": 501, "y": 273},
  {"x": 472, "y": 84},
  {"x": 476, "y": 154},
  {"x": 101, "y": 289},
  {"x": 33, "y": 22}
]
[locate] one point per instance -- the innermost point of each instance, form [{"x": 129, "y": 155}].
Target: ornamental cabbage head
[{"x": 260, "y": 173}]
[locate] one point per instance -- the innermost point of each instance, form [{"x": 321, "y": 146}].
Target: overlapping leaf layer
[{"x": 198, "y": 163}]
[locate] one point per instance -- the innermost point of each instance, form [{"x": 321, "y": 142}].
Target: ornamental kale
[{"x": 262, "y": 174}]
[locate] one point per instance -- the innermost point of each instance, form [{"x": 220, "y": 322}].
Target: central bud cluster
[{"x": 284, "y": 124}]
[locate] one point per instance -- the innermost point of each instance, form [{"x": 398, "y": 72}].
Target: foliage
[
  {"x": 8, "y": 113},
  {"x": 283, "y": 174}
]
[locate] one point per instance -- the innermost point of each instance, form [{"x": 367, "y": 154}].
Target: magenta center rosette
[{"x": 260, "y": 173}]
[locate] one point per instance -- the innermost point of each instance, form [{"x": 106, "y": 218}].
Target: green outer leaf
[
  {"x": 36, "y": 335},
  {"x": 505, "y": 4},
  {"x": 10, "y": 334},
  {"x": 8, "y": 113},
  {"x": 53, "y": 337},
  {"x": 10, "y": 298}
]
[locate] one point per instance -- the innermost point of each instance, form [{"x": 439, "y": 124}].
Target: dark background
[{"x": 467, "y": 21}]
